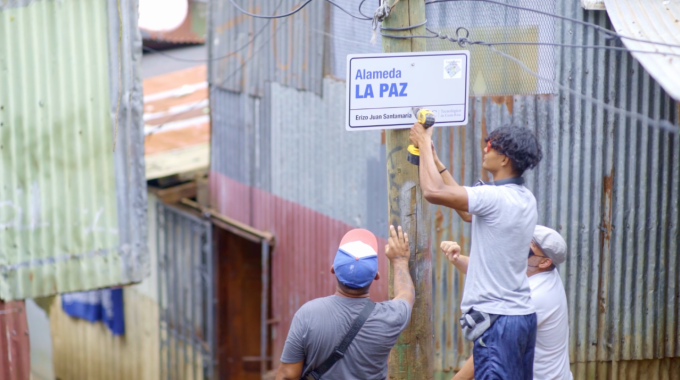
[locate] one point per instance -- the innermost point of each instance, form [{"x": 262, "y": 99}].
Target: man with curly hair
[{"x": 496, "y": 306}]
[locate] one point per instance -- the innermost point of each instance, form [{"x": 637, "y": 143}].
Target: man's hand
[
  {"x": 451, "y": 250},
  {"x": 397, "y": 245},
  {"x": 398, "y": 252},
  {"x": 420, "y": 136}
]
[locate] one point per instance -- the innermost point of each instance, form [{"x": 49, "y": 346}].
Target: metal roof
[
  {"x": 176, "y": 123},
  {"x": 657, "y": 21}
]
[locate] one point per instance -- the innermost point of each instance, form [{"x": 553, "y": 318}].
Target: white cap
[{"x": 551, "y": 243}]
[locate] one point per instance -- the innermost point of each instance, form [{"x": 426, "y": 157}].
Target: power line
[
  {"x": 662, "y": 124},
  {"x": 364, "y": 18},
  {"x": 464, "y": 41},
  {"x": 565, "y": 18},
  {"x": 231, "y": 75},
  {"x": 298, "y": 9},
  {"x": 362, "y": 13}
]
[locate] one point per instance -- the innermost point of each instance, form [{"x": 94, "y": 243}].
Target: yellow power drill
[{"x": 426, "y": 118}]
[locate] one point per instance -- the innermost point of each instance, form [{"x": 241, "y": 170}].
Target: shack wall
[{"x": 282, "y": 161}]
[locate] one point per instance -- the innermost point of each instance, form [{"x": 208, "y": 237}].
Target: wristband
[{"x": 443, "y": 170}]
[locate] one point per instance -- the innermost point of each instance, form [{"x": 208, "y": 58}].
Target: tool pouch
[{"x": 474, "y": 323}]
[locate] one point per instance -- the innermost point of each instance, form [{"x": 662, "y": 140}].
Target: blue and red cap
[{"x": 356, "y": 262}]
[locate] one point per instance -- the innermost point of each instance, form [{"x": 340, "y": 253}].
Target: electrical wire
[
  {"x": 365, "y": 18},
  {"x": 294, "y": 11},
  {"x": 264, "y": 27},
  {"x": 565, "y": 18},
  {"x": 464, "y": 41},
  {"x": 661, "y": 124},
  {"x": 362, "y": 13},
  {"x": 298, "y": 9},
  {"x": 231, "y": 75}
]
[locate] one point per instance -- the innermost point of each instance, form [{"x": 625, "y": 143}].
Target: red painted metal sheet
[
  {"x": 306, "y": 243},
  {"x": 15, "y": 349}
]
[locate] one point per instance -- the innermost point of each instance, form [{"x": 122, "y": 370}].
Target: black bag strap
[{"x": 339, "y": 351}]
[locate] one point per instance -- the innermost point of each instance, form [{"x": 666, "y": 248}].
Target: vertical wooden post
[{"x": 412, "y": 356}]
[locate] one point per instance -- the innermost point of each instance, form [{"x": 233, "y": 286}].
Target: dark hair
[
  {"x": 354, "y": 291},
  {"x": 519, "y": 144}
]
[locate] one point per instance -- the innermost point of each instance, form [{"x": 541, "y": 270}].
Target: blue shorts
[{"x": 506, "y": 350}]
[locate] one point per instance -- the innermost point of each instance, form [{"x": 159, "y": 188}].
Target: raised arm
[
  {"x": 431, "y": 182},
  {"x": 447, "y": 177},
  {"x": 398, "y": 252}
]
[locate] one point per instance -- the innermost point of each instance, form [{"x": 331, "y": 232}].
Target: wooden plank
[
  {"x": 412, "y": 357},
  {"x": 187, "y": 159},
  {"x": 175, "y": 194},
  {"x": 232, "y": 222}
]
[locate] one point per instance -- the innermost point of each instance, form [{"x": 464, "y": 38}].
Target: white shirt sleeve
[{"x": 482, "y": 200}]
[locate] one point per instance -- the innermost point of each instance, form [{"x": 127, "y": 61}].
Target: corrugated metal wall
[
  {"x": 266, "y": 175},
  {"x": 609, "y": 185},
  {"x": 289, "y": 50},
  {"x": 14, "y": 343},
  {"x": 73, "y": 213},
  {"x": 85, "y": 350}
]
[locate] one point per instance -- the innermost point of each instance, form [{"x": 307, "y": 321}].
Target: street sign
[{"x": 383, "y": 88}]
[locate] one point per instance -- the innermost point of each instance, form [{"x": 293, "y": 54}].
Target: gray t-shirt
[
  {"x": 503, "y": 222},
  {"x": 320, "y": 324}
]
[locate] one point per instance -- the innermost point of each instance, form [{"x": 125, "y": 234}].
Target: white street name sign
[{"x": 383, "y": 88}]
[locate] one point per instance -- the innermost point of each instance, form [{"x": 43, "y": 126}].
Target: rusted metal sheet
[
  {"x": 662, "y": 369},
  {"x": 176, "y": 123},
  {"x": 15, "y": 348},
  {"x": 306, "y": 242}
]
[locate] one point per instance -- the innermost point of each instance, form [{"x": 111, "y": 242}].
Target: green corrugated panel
[{"x": 58, "y": 215}]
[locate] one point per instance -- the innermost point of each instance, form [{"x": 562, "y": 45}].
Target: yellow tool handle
[{"x": 425, "y": 118}]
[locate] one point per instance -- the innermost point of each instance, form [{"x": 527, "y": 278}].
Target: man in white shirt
[
  {"x": 551, "y": 356},
  {"x": 497, "y": 311}
]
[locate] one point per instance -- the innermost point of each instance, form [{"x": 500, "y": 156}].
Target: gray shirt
[
  {"x": 320, "y": 324},
  {"x": 503, "y": 222}
]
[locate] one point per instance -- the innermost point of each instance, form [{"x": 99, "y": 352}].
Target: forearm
[
  {"x": 291, "y": 371},
  {"x": 449, "y": 181},
  {"x": 403, "y": 285},
  {"x": 462, "y": 264},
  {"x": 467, "y": 372},
  {"x": 433, "y": 186},
  {"x": 280, "y": 375},
  {"x": 430, "y": 179}
]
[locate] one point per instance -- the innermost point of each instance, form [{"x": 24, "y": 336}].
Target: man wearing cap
[
  {"x": 548, "y": 250},
  {"x": 320, "y": 327}
]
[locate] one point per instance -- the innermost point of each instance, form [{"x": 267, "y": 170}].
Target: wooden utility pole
[{"x": 412, "y": 356}]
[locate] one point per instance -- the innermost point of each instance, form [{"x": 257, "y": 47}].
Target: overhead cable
[
  {"x": 232, "y": 74},
  {"x": 612, "y": 34},
  {"x": 296, "y": 10},
  {"x": 661, "y": 124},
  {"x": 464, "y": 41}
]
